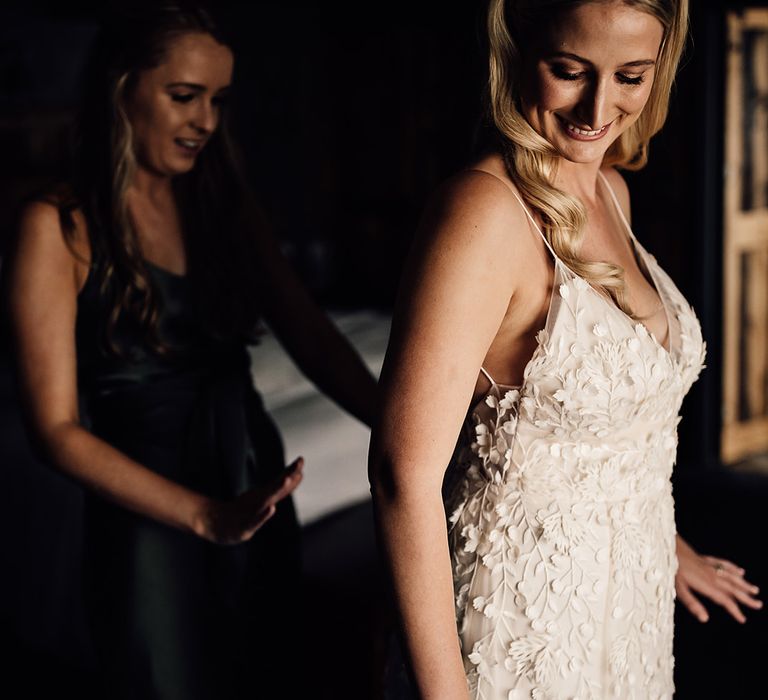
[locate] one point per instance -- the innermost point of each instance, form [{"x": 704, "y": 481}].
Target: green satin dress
[{"x": 174, "y": 617}]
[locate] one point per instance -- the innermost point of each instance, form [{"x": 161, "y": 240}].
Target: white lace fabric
[{"x": 561, "y": 512}]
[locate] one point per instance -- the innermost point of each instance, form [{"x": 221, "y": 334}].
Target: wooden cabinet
[{"x": 745, "y": 242}]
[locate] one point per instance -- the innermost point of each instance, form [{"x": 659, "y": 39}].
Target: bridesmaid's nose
[{"x": 206, "y": 117}]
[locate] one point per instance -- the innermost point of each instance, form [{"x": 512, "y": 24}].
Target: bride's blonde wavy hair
[{"x": 532, "y": 161}]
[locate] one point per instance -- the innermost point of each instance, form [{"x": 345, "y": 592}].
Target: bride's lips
[{"x": 578, "y": 134}]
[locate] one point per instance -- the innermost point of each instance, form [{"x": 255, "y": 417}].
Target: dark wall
[{"x": 346, "y": 119}]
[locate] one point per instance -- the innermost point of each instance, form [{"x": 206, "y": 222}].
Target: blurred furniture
[{"x": 745, "y": 242}]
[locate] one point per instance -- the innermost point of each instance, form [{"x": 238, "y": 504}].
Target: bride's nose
[{"x": 593, "y": 108}]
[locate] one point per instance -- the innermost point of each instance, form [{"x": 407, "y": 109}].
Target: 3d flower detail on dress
[{"x": 562, "y": 519}]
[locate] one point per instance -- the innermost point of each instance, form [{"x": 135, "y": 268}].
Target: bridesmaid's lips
[{"x": 189, "y": 148}]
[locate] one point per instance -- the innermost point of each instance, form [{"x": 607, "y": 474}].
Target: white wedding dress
[{"x": 560, "y": 502}]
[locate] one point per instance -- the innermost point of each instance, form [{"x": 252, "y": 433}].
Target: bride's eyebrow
[{"x": 581, "y": 59}]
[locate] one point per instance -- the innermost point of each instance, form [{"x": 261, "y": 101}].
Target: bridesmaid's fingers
[
  {"x": 286, "y": 486},
  {"x": 686, "y": 597},
  {"x": 297, "y": 463},
  {"x": 265, "y": 496},
  {"x": 259, "y": 520}
]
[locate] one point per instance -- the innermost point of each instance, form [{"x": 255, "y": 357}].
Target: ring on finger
[{"x": 719, "y": 569}]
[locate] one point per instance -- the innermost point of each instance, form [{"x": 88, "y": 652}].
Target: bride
[{"x": 535, "y": 328}]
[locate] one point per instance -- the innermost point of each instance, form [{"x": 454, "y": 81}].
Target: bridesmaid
[{"x": 133, "y": 292}]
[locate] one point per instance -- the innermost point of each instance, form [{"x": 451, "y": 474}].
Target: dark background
[{"x": 348, "y": 119}]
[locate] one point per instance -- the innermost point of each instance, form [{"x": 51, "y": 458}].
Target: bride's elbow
[
  {"x": 401, "y": 483},
  {"x": 382, "y": 477}
]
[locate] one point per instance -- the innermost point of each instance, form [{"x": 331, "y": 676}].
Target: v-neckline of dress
[
  {"x": 670, "y": 351},
  {"x": 632, "y": 323},
  {"x": 640, "y": 254}
]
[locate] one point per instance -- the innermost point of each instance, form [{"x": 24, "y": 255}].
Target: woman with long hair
[
  {"x": 535, "y": 329},
  {"x": 133, "y": 292}
]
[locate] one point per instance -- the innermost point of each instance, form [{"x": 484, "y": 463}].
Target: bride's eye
[
  {"x": 561, "y": 72},
  {"x": 182, "y": 97},
  {"x": 629, "y": 79}
]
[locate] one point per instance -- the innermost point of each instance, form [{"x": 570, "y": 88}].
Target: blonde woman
[{"x": 536, "y": 329}]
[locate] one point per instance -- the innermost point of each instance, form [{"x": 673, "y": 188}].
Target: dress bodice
[{"x": 562, "y": 519}]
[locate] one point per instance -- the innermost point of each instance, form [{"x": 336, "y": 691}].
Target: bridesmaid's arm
[
  {"x": 42, "y": 280},
  {"x": 322, "y": 353},
  {"x": 455, "y": 293}
]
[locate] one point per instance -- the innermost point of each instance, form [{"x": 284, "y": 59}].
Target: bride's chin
[
  {"x": 581, "y": 152},
  {"x": 585, "y": 160}
]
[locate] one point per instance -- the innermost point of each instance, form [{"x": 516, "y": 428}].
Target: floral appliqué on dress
[{"x": 561, "y": 513}]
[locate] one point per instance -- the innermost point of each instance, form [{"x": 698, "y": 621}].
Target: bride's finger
[
  {"x": 726, "y": 600},
  {"x": 730, "y": 573},
  {"x": 743, "y": 585},
  {"x": 693, "y": 604},
  {"x": 723, "y": 565},
  {"x": 745, "y": 598}
]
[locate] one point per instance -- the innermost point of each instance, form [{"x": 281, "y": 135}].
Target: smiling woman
[
  {"x": 571, "y": 98},
  {"x": 134, "y": 290},
  {"x": 555, "y": 354},
  {"x": 176, "y": 106}
]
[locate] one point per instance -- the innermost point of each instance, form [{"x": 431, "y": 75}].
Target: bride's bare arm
[
  {"x": 455, "y": 293},
  {"x": 718, "y": 579}
]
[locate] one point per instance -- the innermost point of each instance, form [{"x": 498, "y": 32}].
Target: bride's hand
[
  {"x": 718, "y": 579},
  {"x": 235, "y": 521}
]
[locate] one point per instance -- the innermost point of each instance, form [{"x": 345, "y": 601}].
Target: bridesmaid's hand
[
  {"x": 717, "y": 579},
  {"x": 235, "y": 521}
]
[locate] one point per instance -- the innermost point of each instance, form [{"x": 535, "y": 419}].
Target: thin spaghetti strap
[
  {"x": 525, "y": 209},
  {"x": 535, "y": 225},
  {"x": 616, "y": 203},
  {"x": 488, "y": 376}
]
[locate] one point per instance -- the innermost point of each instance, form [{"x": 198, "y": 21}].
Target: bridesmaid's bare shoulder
[{"x": 52, "y": 233}]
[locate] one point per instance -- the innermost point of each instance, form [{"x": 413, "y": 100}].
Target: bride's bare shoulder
[
  {"x": 619, "y": 187},
  {"x": 482, "y": 196}
]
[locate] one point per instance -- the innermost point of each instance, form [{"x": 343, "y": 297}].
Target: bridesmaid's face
[
  {"x": 587, "y": 78},
  {"x": 175, "y": 107}
]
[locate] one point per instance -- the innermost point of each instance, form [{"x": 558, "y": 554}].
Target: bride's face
[
  {"x": 587, "y": 78},
  {"x": 175, "y": 107}
]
